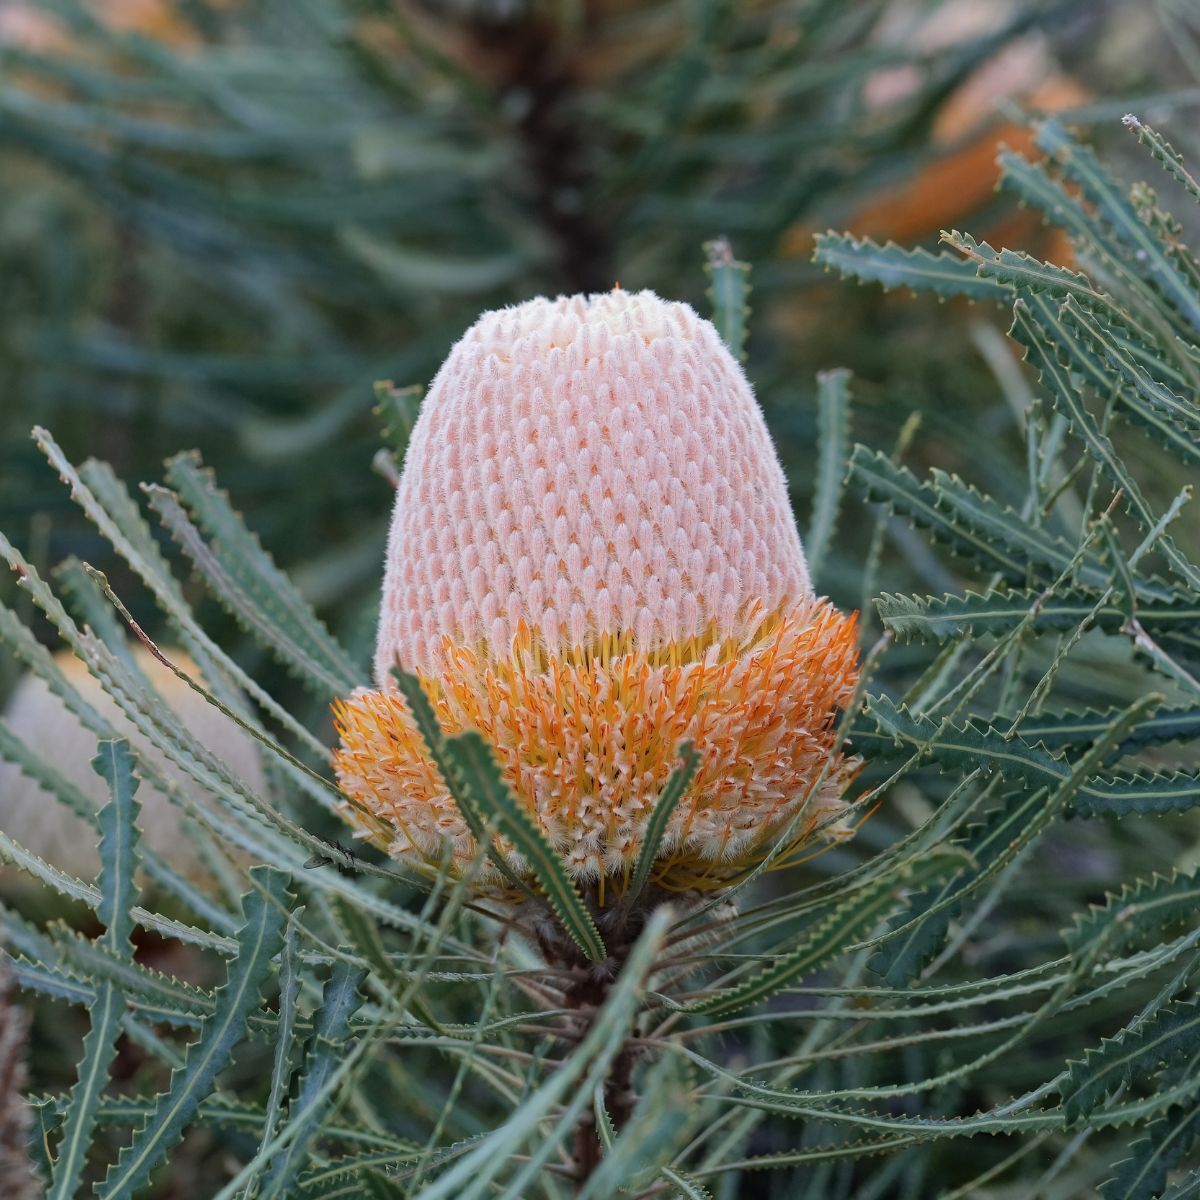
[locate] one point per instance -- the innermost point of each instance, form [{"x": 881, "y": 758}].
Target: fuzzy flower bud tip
[{"x": 593, "y": 559}]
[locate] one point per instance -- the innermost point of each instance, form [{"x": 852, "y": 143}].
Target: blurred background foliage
[{"x": 222, "y": 220}]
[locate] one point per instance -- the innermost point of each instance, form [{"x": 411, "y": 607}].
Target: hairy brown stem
[
  {"x": 586, "y": 986},
  {"x": 619, "y": 1099}
]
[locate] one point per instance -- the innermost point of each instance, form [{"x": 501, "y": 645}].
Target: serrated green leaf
[
  {"x": 286, "y": 1048},
  {"x": 1019, "y": 272},
  {"x": 971, "y": 524},
  {"x": 1058, "y": 730},
  {"x": 1143, "y": 1175},
  {"x": 119, "y": 855},
  {"x": 1081, "y": 166},
  {"x": 242, "y": 555},
  {"x": 428, "y": 726},
  {"x": 926, "y": 916},
  {"x": 1032, "y": 182},
  {"x": 118, "y": 893},
  {"x": 87, "y": 602},
  {"x": 265, "y": 910},
  {"x": 892, "y": 266},
  {"x": 1187, "y": 1188},
  {"x": 345, "y": 1176},
  {"x": 265, "y": 833},
  {"x": 219, "y": 1111},
  {"x": 1165, "y": 153},
  {"x": 1174, "y": 422},
  {"x": 365, "y": 938},
  {"x": 939, "y": 618},
  {"x": 471, "y": 760},
  {"x": 687, "y": 1187},
  {"x": 341, "y": 1000},
  {"x": 99, "y": 1050},
  {"x": 246, "y": 581},
  {"x": 1033, "y": 185},
  {"x": 1170, "y": 1034},
  {"x": 1159, "y": 906},
  {"x": 1036, "y": 325},
  {"x": 470, "y": 772},
  {"x": 107, "y": 503}
]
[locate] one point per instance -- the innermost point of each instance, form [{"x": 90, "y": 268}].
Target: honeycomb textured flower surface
[{"x": 592, "y": 559}]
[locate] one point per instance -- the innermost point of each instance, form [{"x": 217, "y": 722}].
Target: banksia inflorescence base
[{"x": 592, "y": 561}]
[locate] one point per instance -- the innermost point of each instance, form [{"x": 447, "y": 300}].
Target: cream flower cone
[{"x": 592, "y": 559}]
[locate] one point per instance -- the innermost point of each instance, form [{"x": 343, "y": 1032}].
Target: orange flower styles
[{"x": 593, "y": 559}]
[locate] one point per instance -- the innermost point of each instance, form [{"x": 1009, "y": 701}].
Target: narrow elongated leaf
[
  {"x": 484, "y": 789},
  {"x": 118, "y": 862},
  {"x": 99, "y": 1050},
  {"x": 1032, "y": 182},
  {"x": 1058, "y": 730},
  {"x": 135, "y": 541},
  {"x": 729, "y": 291},
  {"x": 267, "y": 622},
  {"x": 118, "y": 844},
  {"x": 470, "y": 771},
  {"x": 220, "y": 1112},
  {"x": 106, "y": 501},
  {"x": 892, "y": 266},
  {"x": 259, "y": 940},
  {"x": 844, "y": 925},
  {"x": 974, "y": 745},
  {"x": 926, "y": 916},
  {"x": 253, "y": 569},
  {"x": 1020, "y": 272},
  {"x": 939, "y": 618},
  {"x": 426, "y": 720},
  {"x": 833, "y": 450},
  {"x": 1187, "y": 1188},
  {"x": 685, "y": 1185},
  {"x": 285, "y": 1035},
  {"x": 1173, "y": 421},
  {"x": 250, "y": 821},
  {"x": 971, "y": 524},
  {"x": 1166, "y": 154},
  {"x": 677, "y": 783},
  {"x": 342, "y": 999},
  {"x": 365, "y": 938}
]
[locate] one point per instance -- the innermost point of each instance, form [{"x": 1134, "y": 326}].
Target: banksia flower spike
[{"x": 592, "y": 560}]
